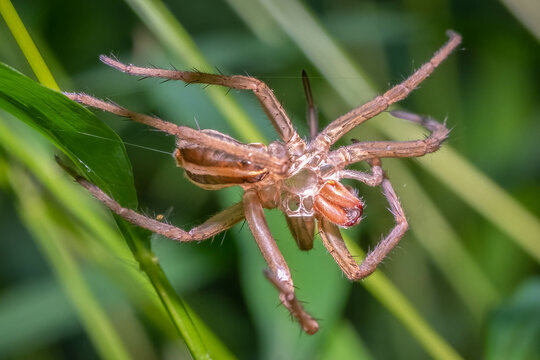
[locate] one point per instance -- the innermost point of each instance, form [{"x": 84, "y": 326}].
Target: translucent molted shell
[{"x": 298, "y": 193}]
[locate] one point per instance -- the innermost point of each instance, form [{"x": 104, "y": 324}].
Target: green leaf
[{"x": 89, "y": 142}]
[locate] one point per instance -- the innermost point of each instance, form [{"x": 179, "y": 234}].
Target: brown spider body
[
  {"x": 302, "y": 179},
  {"x": 213, "y": 169},
  {"x": 300, "y": 191}
]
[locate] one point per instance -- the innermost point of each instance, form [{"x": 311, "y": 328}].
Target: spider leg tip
[
  {"x": 104, "y": 58},
  {"x": 453, "y": 35}
]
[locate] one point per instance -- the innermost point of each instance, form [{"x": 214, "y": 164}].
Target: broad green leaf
[{"x": 89, "y": 142}]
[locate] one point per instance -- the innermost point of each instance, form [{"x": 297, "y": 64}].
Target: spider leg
[
  {"x": 184, "y": 134},
  {"x": 213, "y": 226},
  {"x": 268, "y": 100},
  {"x": 355, "y": 117},
  {"x": 278, "y": 273},
  {"x": 382, "y": 149},
  {"x": 373, "y": 179},
  {"x": 152, "y": 121},
  {"x": 312, "y": 117},
  {"x": 336, "y": 246}
]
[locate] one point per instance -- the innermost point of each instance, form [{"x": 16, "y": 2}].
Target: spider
[{"x": 301, "y": 178}]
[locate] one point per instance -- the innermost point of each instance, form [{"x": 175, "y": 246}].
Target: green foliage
[{"x": 92, "y": 145}]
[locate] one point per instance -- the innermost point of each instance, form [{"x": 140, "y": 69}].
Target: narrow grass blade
[
  {"x": 526, "y": 11},
  {"x": 26, "y": 44}
]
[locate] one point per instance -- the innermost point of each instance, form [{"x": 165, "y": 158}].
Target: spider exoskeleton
[{"x": 301, "y": 178}]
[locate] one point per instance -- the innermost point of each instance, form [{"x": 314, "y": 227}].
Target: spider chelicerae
[{"x": 301, "y": 178}]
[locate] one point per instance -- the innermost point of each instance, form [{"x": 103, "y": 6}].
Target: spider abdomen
[
  {"x": 215, "y": 169},
  {"x": 213, "y": 160}
]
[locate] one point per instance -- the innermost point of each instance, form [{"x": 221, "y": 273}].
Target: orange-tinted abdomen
[{"x": 214, "y": 169}]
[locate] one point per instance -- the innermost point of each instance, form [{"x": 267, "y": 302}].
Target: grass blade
[
  {"x": 526, "y": 11},
  {"x": 26, "y": 44}
]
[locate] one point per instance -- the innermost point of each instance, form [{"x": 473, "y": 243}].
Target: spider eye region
[{"x": 337, "y": 204}]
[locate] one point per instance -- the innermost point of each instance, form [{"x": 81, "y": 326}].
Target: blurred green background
[{"x": 468, "y": 266}]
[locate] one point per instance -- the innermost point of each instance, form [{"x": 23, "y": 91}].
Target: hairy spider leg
[
  {"x": 362, "y": 151},
  {"x": 339, "y": 127},
  {"x": 373, "y": 179},
  {"x": 216, "y": 224},
  {"x": 333, "y": 241},
  {"x": 185, "y": 133},
  {"x": 272, "y": 107},
  {"x": 279, "y": 273}
]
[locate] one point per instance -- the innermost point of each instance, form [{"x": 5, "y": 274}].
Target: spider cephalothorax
[{"x": 300, "y": 178}]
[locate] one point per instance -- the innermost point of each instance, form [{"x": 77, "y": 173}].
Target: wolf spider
[{"x": 301, "y": 178}]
